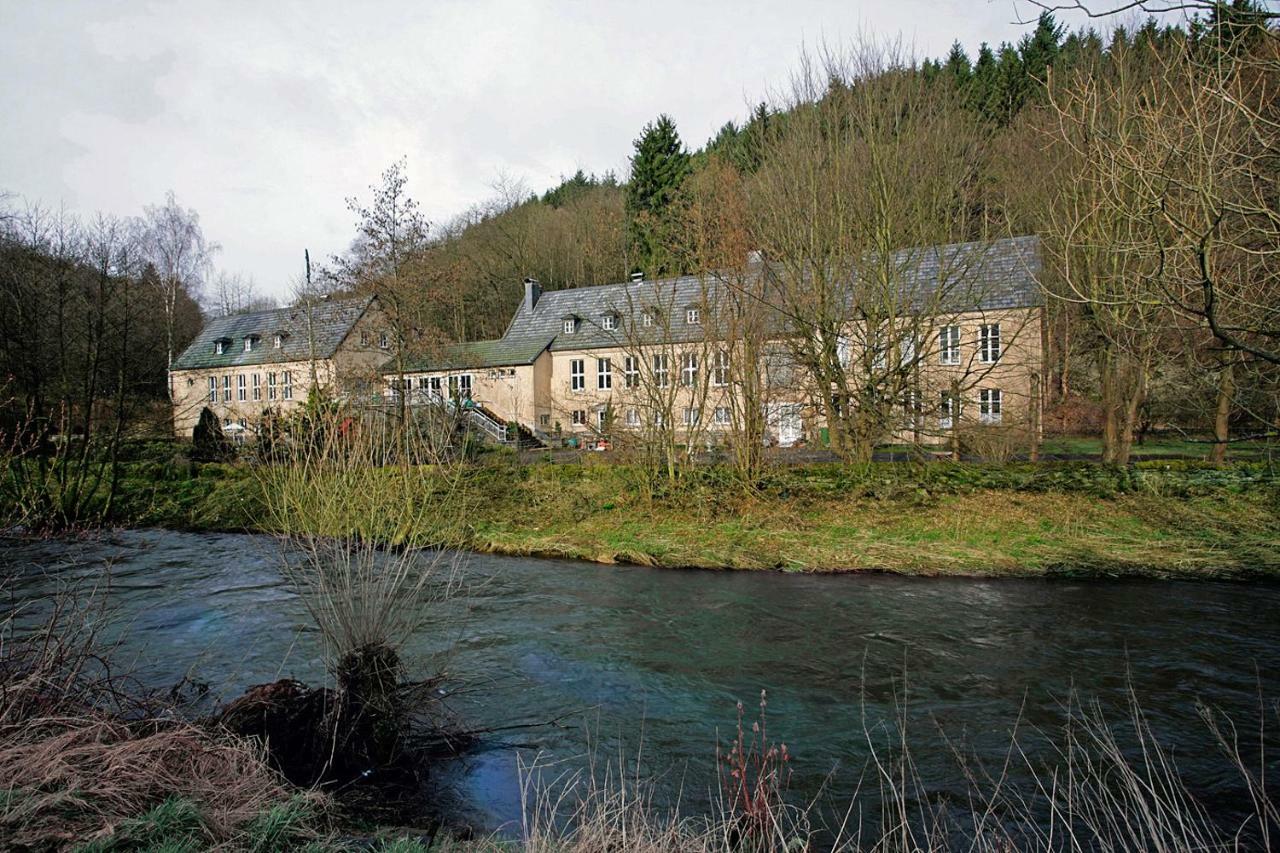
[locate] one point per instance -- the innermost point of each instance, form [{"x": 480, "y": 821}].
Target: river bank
[{"x": 1158, "y": 519}]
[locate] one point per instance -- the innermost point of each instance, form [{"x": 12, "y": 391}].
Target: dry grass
[{"x": 82, "y": 753}]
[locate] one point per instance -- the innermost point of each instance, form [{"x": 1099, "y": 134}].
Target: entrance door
[{"x": 788, "y": 426}]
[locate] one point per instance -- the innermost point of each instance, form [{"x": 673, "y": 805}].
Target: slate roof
[
  {"x": 984, "y": 276},
  {"x": 311, "y": 331}
]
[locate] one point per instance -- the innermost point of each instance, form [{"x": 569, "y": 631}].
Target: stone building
[
  {"x": 957, "y": 342},
  {"x": 244, "y": 364}
]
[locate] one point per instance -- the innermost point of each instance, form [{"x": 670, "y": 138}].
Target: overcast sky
[{"x": 265, "y": 116}]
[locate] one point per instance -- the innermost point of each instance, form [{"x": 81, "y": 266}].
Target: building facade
[
  {"x": 958, "y": 343},
  {"x": 243, "y": 365}
]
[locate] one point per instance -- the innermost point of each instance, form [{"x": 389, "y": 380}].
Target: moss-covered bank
[{"x": 1161, "y": 518}]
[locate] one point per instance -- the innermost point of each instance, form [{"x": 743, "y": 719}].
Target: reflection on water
[{"x": 621, "y": 654}]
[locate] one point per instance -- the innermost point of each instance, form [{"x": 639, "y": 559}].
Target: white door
[{"x": 788, "y": 426}]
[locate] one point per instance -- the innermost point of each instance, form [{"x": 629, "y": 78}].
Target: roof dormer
[
  {"x": 251, "y": 342},
  {"x": 570, "y": 323},
  {"x": 609, "y": 320},
  {"x": 278, "y": 339},
  {"x": 221, "y": 346}
]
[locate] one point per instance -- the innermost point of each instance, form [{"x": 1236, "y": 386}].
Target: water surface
[{"x": 649, "y": 663}]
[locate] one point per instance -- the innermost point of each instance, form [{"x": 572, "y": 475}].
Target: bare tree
[
  {"x": 177, "y": 249},
  {"x": 233, "y": 293}
]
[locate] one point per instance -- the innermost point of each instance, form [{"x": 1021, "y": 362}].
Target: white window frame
[
  {"x": 577, "y": 375},
  {"x": 633, "y": 417},
  {"x": 602, "y": 418},
  {"x": 286, "y": 386},
  {"x": 604, "y": 374},
  {"x": 646, "y": 318},
  {"x": 278, "y": 343},
  {"x": 579, "y": 417},
  {"x": 436, "y": 387},
  {"x": 219, "y": 347},
  {"x": 364, "y": 338},
  {"x": 271, "y": 386},
  {"x": 689, "y": 365},
  {"x": 248, "y": 344},
  {"x": 693, "y": 316},
  {"x": 609, "y": 322},
  {"x": 213, "y": 389},
  {"x": 949, "y": 409},
  {"x": 631, "y": 371},
  {"x": 226, "y": 388},
  {"x": 722, "y": 416},
  {"x": 949, "y": 345},
  {"x": 691, "y": 416},
  {"x": 464, "y": 386},
  {"x": 844, "y": 351},
  {"x": 241, "y": 393},
  {"x": 989, "y": 350},
  {"x": 570, "y": 325},
  {"x": 720, "y": 369},
  {"x": 662, "y": 370},
  {"x": 257, "y": 387},
  {"x": 384, "y": 340},
  {"x": 990, "y": 405}
]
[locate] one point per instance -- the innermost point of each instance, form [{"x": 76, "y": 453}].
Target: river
[{"x": 649, "y": 664}]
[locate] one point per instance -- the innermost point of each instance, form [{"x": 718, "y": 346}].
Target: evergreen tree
[
  {"x": 985, "y": 78},
  {"x": 1037, "y": 53},
  {"x": 208, "y": 444},
  {"x": 658, "y": 168},
  {"x": 957, "y": 68}
]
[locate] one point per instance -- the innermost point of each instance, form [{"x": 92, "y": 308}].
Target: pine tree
[
  {"x": 1037, "y": 53},
  {"x": 658, "y": 168},
  {"x": 957, "y": 68},
  {"x": 982, "y": 87}
]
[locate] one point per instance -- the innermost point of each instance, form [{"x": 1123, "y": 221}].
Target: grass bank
[{"x": 1166, "y": 519}]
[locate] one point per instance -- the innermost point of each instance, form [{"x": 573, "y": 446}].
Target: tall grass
[{"x": 1095, "y": 784}]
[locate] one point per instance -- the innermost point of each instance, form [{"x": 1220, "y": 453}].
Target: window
[
  {"x": 384, "y": 341},
  {"x": 661, "y": 370},
  {"x": 278, "y": 341},
  {"x": 631, "y": 371},
  {"x": 693, "y": 316},
  {"x": 844, "y": 350},
  {"x": 286, "y": 387},
  {"x": 907, "y": 351},
  {"x": 989, "y": 343},
  {"x": 722, "y": 416},
  {"x": 569, "y": 325},
  {"x": 720, "y": 369},
  {"x": 271, "y": 386},
  {"x": 240, "y": 392},
  {"x": 948, "y": 410},
  {"x": 646, "y": 318},
  {"x": 577, "y": 375},
  {"x": 633, "y": 418},
  {"x": 248, "y": 343},
  {"x": 257, "y": 387},
  {"x": 692, "y": 416},
  {"x": 949, "y": 345},
  {"x": 609, "y": 322},
  {"x": 464, "y": 386},
  {"x": 226, "y": 389},
  {"x": 544, "y": 421},
  {"x": 604, "y": 374},
  {"x": 213, "y": 389},
  {"x": 989, "y": 402},
  {"x": 219, "y": 347},
  {"x": 602, "y": 420},
  {"x": 579, "y": 417},
  {"x": 660, "y": 419},
  {"x": 435, "y": 387},
  {"x": 689, "y": 369}
]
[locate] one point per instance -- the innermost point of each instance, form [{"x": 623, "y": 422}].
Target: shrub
[{"x": 208, "y": 444}]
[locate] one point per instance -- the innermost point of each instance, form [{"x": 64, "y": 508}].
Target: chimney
[
  {"x": 637, "y": 277},
  {"x": 532, "y": 290}
]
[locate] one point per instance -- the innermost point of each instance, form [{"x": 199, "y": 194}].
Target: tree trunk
[{"x": 1222, "y": 414}]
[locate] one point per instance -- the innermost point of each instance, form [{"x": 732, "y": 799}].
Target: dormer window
[
  {"x": 647, "y": 317},
  {"x": 278, "y": 341},
  {"x": 570, "y": 325},
  {"x": 220, "y": 346},
  {"x": 693, "y": 316},
  {"x": 609, "y": 322},
  {"x": 250, "y": 343}
]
